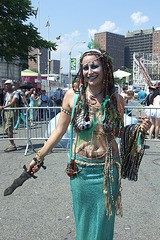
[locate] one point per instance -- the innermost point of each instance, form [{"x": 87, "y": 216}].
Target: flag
[
  {"x": 58, "y": 38},
  {"x": 47, "y": 24},
  {"x": 36, "y": 13}
]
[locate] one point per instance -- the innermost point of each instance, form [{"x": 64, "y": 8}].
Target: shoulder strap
[
  {"x": 71, "y": 135},
  {"x": 74, "y": 104}
]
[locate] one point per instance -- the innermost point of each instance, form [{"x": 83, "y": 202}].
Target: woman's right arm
[{"x": 57, "y": 134}]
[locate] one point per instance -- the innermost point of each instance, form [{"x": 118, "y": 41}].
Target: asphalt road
[{"x": 41, "y": 209}]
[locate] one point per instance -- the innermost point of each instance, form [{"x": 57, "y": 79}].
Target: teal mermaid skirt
[{"x": 92, "y": 223}]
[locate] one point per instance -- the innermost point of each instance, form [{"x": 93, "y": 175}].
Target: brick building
[{"x": 114, "y": 45}]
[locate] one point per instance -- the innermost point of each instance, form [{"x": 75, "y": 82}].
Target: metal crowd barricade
[
  {"x": 132, "y": 114},
  {"x": 6, "y": 115},
  {"x": 45, "y": 120},
  {"x": 40, "y": 130}
]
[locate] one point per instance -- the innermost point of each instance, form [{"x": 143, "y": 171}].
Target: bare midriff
[{"x": 93, "y": 145}]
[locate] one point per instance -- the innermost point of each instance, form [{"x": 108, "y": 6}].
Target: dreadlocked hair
[{"x": 79, "y": 84}]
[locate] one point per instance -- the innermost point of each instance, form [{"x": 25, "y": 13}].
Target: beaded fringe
[
  {"x": 131, "y": 155},
  {"x": 108, "y": 173}
]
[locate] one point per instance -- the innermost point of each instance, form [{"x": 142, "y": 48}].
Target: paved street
[{"x": 42, "y": 209}]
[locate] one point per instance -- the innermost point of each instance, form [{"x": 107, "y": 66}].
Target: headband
[
  {"x": 98, "y": 52},
  {"x": 93, "y": 50}
]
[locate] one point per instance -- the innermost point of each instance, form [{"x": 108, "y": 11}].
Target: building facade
[
  {"x": 156, "y": 43},
  {"x": 42, "y": 61},
  {"x": 137, "y": 41},
  {"x": 114, "y": 45},
  {"x": 55, "y": 66},
  {"x": 10, "y": 71}
]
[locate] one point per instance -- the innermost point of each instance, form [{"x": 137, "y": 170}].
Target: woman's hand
[
  {"x": 146, "y": 124},
  {"x": 33, "y": 168}
]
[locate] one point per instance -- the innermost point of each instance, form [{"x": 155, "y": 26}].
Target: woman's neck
[
  {"x": 95, "y": 96},
  {"x": 95, "y": 91}
]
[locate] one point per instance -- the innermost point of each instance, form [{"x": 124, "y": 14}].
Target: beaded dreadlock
[{"x": 80, "y": 85}]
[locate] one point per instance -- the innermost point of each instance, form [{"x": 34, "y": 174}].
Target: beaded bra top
[{"x": 83, "y": 122}]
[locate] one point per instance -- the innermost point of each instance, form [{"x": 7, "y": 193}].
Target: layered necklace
[{"x": 92, "y": 98}]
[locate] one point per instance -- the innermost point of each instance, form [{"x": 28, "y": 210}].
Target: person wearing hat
[
  {"x": 10, "y": 116},
  {"x": 151, "y": 95},
  {"x": 157, "y": 87}
]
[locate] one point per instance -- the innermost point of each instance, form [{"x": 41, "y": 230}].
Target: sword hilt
[
  {"x": 29, "y": 173},
  {"x": 39, "y": 163}
]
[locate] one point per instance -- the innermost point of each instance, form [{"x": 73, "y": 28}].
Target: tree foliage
[{"x": 17, "y": 36}]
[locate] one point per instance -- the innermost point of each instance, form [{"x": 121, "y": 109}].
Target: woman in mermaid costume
[{"x": 95, "y": 111}]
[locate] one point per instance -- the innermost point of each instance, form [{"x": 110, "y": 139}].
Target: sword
[{"x": 20, "y": 180}]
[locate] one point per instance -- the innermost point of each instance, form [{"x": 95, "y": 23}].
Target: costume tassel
[
  {"x": 108, "y": 205},
  {"x": 118, "y": 204}
]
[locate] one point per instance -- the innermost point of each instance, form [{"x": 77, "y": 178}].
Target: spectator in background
[
  {"x": 32, "y": 103},
  {"x": 58, "y": 98},
  {"x": 155, "y": 116},
  {"x": 141, "y": 97},
  {"x": 157, "y": 87},
  {"x": 58, "y": 95},
  {"x": 124, "y": 91},
  {"x": 44, "y": 103},
  {"x": 44, "y": 99},
  {"x": 1, "y": 96},
  {"x": 152, "y": 94},
  {"x": 22, "y": 112},
  {"x": 27, "y": 96},
  {"x": 10, "y": 116},
  {"x": 1, "y": 101},
  {"x": 154, "y": 99},
  {"x": 52, "y": 110},
  {"x": 129, "y": 95}
]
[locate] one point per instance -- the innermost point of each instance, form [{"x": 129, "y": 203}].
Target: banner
[{"x": 73, "y": 64}]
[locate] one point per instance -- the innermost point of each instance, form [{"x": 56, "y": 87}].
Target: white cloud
[
  {"x": 157, "y": 29},
  {"x": 107, "y": 26},
  {"x": 138, "y": 19},
  {"x": 91, "y": 32},
  {"x": 72, "y": 35}
]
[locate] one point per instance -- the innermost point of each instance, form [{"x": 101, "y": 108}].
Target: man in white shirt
[{"x": 10, "y": 117}]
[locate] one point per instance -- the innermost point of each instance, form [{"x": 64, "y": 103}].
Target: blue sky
[{"x": 77, "y": 21}]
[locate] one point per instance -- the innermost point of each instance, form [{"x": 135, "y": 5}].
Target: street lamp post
[{"x": 70, "y": 53}]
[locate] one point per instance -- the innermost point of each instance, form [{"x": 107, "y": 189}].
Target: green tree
[{"x": 17, "y": 36}]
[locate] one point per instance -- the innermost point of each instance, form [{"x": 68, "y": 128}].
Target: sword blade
[{"x": 18, "y": 181}]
